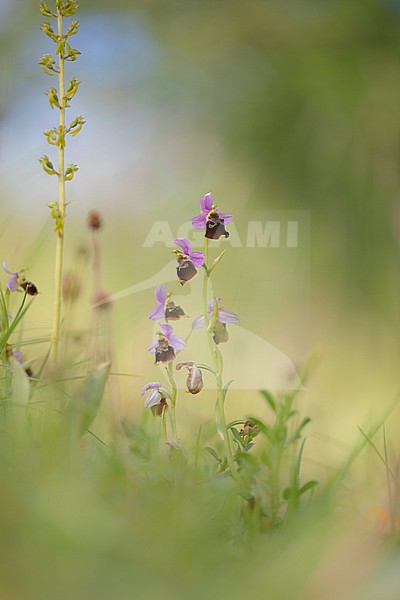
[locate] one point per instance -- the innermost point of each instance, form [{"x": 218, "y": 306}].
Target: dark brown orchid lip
[
  {"x": 215, "y": 226},
  {"x": 173, "y": 312},
  {"x": 164, "y": 353},
  {"x": 29, "y": 287},
  {"x": 185, "y": 269},
  {"x": 159, "y": 408}
]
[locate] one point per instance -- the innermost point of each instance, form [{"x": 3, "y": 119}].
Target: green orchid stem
[
  {"x": 218, "y": 366},
  {"x": 174, "y": 391},
  {"x": 55, "y": 337},
  {"x": 164, "y": 426}
]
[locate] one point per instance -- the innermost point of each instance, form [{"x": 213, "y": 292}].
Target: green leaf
[
  {"x": 84, "y": 405},
  {"x": 291, "y": 493},
  {"x": 17, "y": 319},
  {"x": 269, "y": 398},
  {"x": 308, "y": 486},
  {"x": 215, "y": 262},
  {"x": 236, "y": 435},
  {"x": 226, "y": 388},
  {"x": 213, "y": 454},
  {"x": 206, "y": 368}
]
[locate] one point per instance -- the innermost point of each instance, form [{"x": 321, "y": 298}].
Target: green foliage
[
  {"x": 270, "y": 460},
  {"x": 84, "y": 405}
]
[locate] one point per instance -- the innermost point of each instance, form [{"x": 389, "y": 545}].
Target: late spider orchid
[
  {"x": 211, "y": 219},
  {"x": 167, "y": 343},
  {"x": 165, "y": 308},
  {"x": 17, "y": 279},
  {"x": 156, "y": 397},
  {"x": 188, "y": 261},
  {"x": 224, "y": 316}
]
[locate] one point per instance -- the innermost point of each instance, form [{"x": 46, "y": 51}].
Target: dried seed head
[{"x": 94, "y": 220}]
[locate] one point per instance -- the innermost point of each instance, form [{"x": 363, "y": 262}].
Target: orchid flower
[
  {"x": 167, "y": 343},
  {"x": 156, "y": 398},
  {"x": 211, "y": 219},
  {"x": 224, "y": 316},
  {"x": 165, "y": 306},
  {"x": 188, "y": 261}
]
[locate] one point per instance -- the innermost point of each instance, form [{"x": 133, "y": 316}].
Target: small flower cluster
[{"x": 167, "y": 344}]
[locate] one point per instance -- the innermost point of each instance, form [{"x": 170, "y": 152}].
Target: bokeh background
[{"x": 274, "y": 106}]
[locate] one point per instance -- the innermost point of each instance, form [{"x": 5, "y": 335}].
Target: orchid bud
[{"x": 194, "y": 380}]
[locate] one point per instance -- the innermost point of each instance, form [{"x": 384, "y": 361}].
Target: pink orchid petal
[
  {"x": 166, "y": 329},
  {"x": 157, "y": 312},
  {"x": 150, "y": 386},
  {"x": 227, "y": 217},
  {"x": 152, "y": 399},
  {"x": 12, "y": 283},
  {"x": 6, "y": 270},
  {"x": 177, "y": 342},
  {"x": 206, "y": 203},
  {"x": 199, "y": 322},
  {"x": 152, "y": 347},
  {"x": 184, "y": 244},
  {"x": 199, "y": 222},
  {"x": 210, "y": 305},
  {"x": 197, "y": 258},
  {"x": 160, "y": 294},
  {"x": 225, "y": 316}
]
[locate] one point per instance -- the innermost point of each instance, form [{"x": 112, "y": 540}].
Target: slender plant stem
[
  {"x": 218, "y": 365},
  {"x": 174, "y": 391},
  {"x": 164, "y": 426},
  {"x": 55, "y": 338}
]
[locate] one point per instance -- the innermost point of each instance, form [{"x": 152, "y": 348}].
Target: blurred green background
[{"x": 287, "y": 105}]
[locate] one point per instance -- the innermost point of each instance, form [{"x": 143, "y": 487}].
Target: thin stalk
[
  {"x": 55, "y": 338},
  {"x": 174, "y": 391},
  {"x": 390, "y": 493},
  {"x": 164, "y": 426},
  {"x": 218, "y": 366}
]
